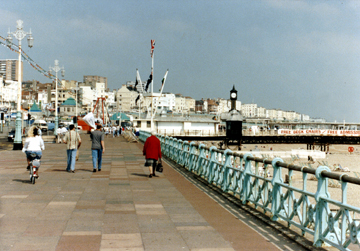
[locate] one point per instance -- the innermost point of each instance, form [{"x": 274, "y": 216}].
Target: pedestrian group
[{"x": 35, "y": 144}]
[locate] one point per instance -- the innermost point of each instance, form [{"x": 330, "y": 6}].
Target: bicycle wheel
[
  {"x": 33, "y": 179},
  {"x": 31, "y": 172}
]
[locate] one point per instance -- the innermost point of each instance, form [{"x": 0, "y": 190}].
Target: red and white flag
[{"x": 152, "y": 48}]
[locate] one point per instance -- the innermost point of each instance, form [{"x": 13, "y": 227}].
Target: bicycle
[{"x": 34, "y": 167}]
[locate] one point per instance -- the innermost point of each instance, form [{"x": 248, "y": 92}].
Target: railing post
[
  {"x": 321, "y": 206},
  {"x": 276, "y": 189},
  {"x": 178, "y": 149},
  {"x": 212, "y": 164},
  {"x": 246, "y": 179},
  {"x": 198, "y": 166},
  {"x": 166, "y": 140},
  {"x": 191, "y": 155},
  {"x": 225, "y": 172},
  {"x": 184, "y": 153},
  {"x": 174, "y": 148},
  {"x": 171, "y": 145}
]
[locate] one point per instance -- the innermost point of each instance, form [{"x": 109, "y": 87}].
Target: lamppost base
[{"x": 17, "y": 146}]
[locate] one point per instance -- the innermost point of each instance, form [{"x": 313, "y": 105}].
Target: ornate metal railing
[{"x": 260, "y": 182}]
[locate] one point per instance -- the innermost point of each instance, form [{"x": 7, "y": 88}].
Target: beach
[{"x": 337, "y": 155}]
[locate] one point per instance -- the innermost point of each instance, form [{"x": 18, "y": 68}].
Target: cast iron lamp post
[
  {"x": 19, "y": 34},
  {"x": 56, "y": 68}
]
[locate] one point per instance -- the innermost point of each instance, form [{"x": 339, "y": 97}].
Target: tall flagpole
[{"x": 152, "y": 85}]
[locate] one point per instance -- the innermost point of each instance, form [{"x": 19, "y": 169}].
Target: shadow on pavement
[
  {"x": 22, "y": 181},
  {"x": 58, "y": 170},
  {"x": 139, "y": 174},
  {"x": 85, "y": 170}
]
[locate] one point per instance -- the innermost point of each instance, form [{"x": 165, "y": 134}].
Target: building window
[
  {"x": 148, "y": 124},
  {"x": 138, "y": 124}
]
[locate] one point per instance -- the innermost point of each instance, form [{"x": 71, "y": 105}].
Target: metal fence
[{"x": 260, "y": 182}]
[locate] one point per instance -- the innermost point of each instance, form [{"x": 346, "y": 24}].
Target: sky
[{"x": 298, "y": 56}]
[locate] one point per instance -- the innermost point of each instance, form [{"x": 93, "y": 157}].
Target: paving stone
[
  {"x": 79, "y": 243},
  {"x": 119, "y": 208},
  {"x": 121, "y": 241},
  {"x": 36, "y": 243}
]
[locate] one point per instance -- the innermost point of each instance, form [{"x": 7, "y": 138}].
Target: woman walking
[{"x": 152, "y": 152}]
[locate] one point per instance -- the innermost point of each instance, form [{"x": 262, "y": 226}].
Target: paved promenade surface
[{"x": 119, "y": 208}]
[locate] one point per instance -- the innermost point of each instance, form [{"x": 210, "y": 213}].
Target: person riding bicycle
[{"x": 33, "y": 144}]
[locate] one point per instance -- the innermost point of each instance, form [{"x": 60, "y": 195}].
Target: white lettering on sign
[{"x": 319, "y": 132}]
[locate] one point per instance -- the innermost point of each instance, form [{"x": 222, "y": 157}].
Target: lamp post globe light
[
  {"x": 56, "y": 68},
  {"x": 19, "y": 34}
]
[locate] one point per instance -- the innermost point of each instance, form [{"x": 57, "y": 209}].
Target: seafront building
[
  {"x": 9, "y": 69},
  {"x": 125, "y": 99}
]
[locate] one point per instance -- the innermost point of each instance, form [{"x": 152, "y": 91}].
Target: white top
[{"x": 33, "y": 144}]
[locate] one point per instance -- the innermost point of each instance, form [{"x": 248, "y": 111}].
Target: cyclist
[{"x": 33, "y": 144}]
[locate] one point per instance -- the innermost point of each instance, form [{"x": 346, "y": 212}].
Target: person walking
[
  {"x": 58, "y": 135},
  {"x": 152, "y": 152},
  {"x": 118, "y": 130},
  {"x": 73, "y": 141},
  {"x": 97, "y": 147},
  {"x": 113, "y": 130}
]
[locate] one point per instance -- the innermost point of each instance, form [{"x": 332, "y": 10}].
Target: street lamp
[
  {"x": 56, "y": 68},
  {"x": 76, "y": 104},
  {"x": 19, "y": 34}
]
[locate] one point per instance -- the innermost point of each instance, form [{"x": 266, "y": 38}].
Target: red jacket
[{"x": 152, "y": 148}]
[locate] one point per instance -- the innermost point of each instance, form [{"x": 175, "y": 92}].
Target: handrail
[{"x": 240, "y": 176}]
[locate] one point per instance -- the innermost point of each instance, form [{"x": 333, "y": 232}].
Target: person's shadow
[
  {"x": 22, "y": 181},
  {"x": 140, "y": 174}
]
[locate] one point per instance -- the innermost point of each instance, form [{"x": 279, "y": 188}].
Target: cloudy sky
[{"x": 300, "y": 56}]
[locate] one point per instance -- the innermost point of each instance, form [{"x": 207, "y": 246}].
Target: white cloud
[
  {"x": 99, "y": 28},
  {"x": 176, "y": 26},
  {"x": 326, "y": 42},
  {"x": 315, "y": 7}
]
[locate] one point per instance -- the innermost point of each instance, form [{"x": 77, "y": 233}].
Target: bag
[
  {"x": 77, "y": 155},
  {"x": 89, "y": 119},
  {"x": 159, "y": 167}
]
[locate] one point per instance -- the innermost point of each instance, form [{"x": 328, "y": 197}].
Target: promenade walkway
[{"x": 119, "y": 208}]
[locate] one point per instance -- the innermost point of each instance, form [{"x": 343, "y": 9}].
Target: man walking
[
  {"x": 97, "y": 147},
  {"x": 73, "y": 141},
  {"x": 152, "y": 152},
  {"x": 113, "y": 130}
]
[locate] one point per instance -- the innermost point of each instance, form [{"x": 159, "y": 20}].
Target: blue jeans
[
  {"x": 96, "y": 157},
  {"x": 38, "y": 153},
  {"x": 71, "y": 158}
]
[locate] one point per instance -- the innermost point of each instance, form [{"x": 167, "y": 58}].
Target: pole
[
  {"x": 19, "y": 35},
  {"x": 2, "y": 102},
  {"x": 152, "y": 92},
  {"x": 56, "y": 101},
  {"x": 139, "y": 105},
  {"x": 2, "y": 90},
  {"x": 18, "y": 124},
  {"x": 76, "y": 124},
  {"x": 56, "y": 68}
]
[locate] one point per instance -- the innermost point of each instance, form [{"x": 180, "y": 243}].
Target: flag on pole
[
  {"x": 152, "y": 48},
  {"x": 136, "y": 80},
  {"x": 163, "y": 81},
  {"x": 148, "y": 82},
  {"x": 136, "y": 100}
]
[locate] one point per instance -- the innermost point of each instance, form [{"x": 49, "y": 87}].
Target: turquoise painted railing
[{"x": 329, "y": 221}]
